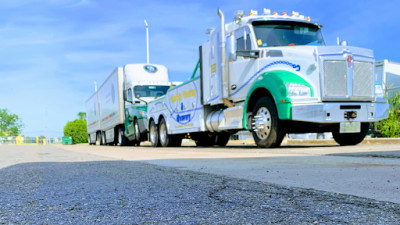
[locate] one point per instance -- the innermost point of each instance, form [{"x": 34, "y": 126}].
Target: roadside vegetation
[
  {"x": 10, "y": 124},
  {"x": 77, "y": 129},
  {"x": 390, "y": 127}
]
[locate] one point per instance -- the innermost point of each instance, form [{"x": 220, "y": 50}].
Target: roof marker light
[
  {"x": 267, "y": 11},
  {"x": 295, "y": 13},
  {"x": 275, "y": 13},
  {"x": 253, "y": 13},
  {"x": 308, "y": 19},
  {"x": 284, "y": 14}
]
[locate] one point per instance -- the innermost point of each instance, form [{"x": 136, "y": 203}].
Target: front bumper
[{"x": 334, "y": 112}]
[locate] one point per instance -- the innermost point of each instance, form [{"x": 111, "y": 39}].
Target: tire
[
  {"x": 90, "y": 143},
  {"x": 350, "y": 138},
  {"x": 153, "y": 133},
  {"x": 137, "y": 131},
  {"x": 222, "y": 139},
  {"x": 266, "y": 130},
  {"x": 166, "y": 140},
  {"x": 122, "y": 140},
  {"x": 205, "y": 139},
  {"x": 98, "y": 139},
  {"x": 103, "y": 139}
]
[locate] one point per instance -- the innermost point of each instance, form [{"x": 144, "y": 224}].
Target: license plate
[{"x": 350, "y": 127}]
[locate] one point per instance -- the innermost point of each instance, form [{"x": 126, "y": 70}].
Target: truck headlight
[
  {"x": 298, "y": 90},
  {"x": 379, "y": 91}
]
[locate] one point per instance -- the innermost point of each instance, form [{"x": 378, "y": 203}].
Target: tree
[
  {"x": 77, "y": 130},
  {"x": 82, "y": 115},
  {"x": 390, "y": 127},
  {"x": 10, "y": 124}
]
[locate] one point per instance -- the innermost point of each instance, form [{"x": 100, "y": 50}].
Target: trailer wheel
[
  {"x": 350, "y": 138},
  {"x": 137, "y": 130},
  {"x": 154, "y": 139},
  {"x": 121, "y": 137},
  {"x": 103, "y": 139},
  {"x": 166, "y": 140},
  {"x": 98, "y": 139},
  {"x": 265, "y": 124}
]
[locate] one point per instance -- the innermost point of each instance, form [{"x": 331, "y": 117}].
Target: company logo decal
[
  {"x": 150, "y": 68},
  {"x": 296, "y": 67},
  {"x": 349, "y": 61}
]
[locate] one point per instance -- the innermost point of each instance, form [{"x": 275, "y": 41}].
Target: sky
[{"x": 52, "y": 51}]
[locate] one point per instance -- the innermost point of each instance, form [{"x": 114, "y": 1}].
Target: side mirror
[
  {"x": 231, "y": 48},
  {"x": 248, "y": 53}
]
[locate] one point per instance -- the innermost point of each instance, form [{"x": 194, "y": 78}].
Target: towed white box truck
[
  {"x": 271, "y": 74},
  {"x": 117, "y": 111}
]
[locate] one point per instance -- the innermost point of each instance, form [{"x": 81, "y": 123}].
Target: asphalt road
[{"x": 235, "y": 185}]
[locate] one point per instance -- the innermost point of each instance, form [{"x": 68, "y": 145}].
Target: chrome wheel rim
[
  {"x": 163, "y": 133},
  {"x": 262, "y": 123},
  {"x": 152, "y": 134},
  {"x": 120, "y": 137},
  {"x": 136, "y": 130}
]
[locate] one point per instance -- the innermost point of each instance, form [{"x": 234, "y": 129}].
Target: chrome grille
[
  {"x": 363, "y": 79},
  {"x": 335, "y": 78}
]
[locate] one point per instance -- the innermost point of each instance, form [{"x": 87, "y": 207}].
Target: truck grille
[
  {"x": 363, "y": 79},
  {"x": 335, "y": 78},
  {"x": 344, "y": 83}
]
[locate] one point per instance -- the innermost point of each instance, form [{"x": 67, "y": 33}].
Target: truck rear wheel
[
  {"x": 204, "y": 139},
  {"x": 166, "y": 140},
  {"x": 222, "y": 139},
  {"x": 103, "y": 139},
  {"x": 121, "y": 137},
  {"x": 350, "y": 138},
  {"x": 154, "y": 139},
  {"x": 265, "y": 124}
]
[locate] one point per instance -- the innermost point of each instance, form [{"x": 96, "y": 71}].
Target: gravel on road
[{"x": 127, "y": 192}]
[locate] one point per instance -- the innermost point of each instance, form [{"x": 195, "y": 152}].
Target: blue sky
[{"x": 51, "y": 51}]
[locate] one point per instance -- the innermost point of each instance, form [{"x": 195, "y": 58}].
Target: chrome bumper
[{"x": 335, "y": 112}]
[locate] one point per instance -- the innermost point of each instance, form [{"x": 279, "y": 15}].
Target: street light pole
[{"x": 147, "y": 40}]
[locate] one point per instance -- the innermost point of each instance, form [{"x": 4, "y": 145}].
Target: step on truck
[
  {"x": 271, "y": 74},
  {"x": 117, "y": 112}
]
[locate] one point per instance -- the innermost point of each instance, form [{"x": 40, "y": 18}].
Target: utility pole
[{"x": 147, "y": 40}]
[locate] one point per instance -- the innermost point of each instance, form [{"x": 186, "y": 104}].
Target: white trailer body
[
  {"x": 93, "y": 117},
  {"x": 388, "y": 72},
  {"x": 271, "y": 74},
  {"x": 111, "y": 104}
]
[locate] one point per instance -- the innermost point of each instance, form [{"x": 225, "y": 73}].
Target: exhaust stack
[{"x": 224, "y": 66}]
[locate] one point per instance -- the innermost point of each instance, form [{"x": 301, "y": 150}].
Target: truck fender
[{"x": 272, "y": 83}]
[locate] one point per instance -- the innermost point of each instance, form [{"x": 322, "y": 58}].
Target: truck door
[
  {"x": 241, "y": 68},
  {"x": 129, "y": 114}
]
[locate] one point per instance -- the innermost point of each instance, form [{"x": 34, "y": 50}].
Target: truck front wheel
[
  {"x": 155, "y": 141},
  {"x": 137, "y": 130},
  {"x": 350, "y": 138},
  {"x": 267, "y": 132}
]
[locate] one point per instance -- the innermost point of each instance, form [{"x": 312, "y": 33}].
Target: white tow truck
[{"x": 271, "y": 74}]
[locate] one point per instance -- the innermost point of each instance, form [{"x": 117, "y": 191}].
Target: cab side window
[
  {"x": 242, "y": 43},
  {"x": 129, "y": 95}
]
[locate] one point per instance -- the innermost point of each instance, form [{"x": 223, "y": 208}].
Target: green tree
[
  {"x": 390, "y": 127},
  {"x": 82, "y": 115},
  {"x": 10, "y": 124},
  {"x": 77, "y": 130}
]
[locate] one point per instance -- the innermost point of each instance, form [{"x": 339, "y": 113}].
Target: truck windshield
[
  {"x": 150, "y": 90},
  {"x": 286, "y": 33}
]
